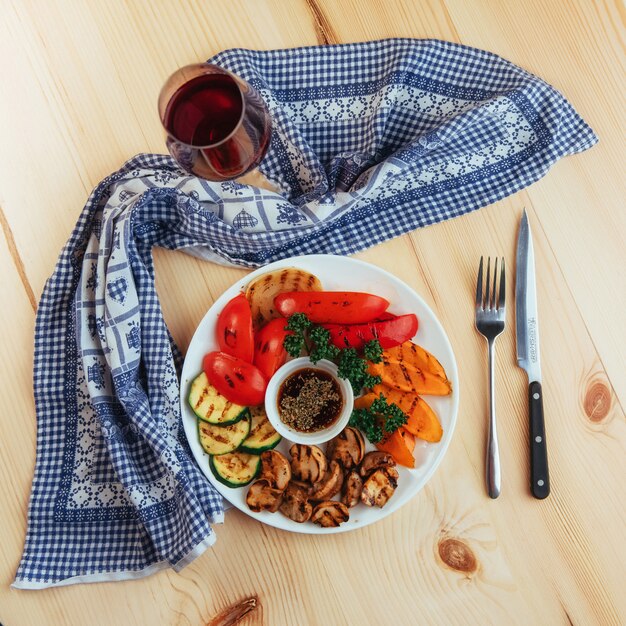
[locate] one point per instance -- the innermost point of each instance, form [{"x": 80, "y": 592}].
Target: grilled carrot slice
[
  {"x": 409, "y": 439},
  {"x": 414, "y": 355},
  {"x": 396, "y": 445},
  {"x": 422, "y": 420},
  {"x": 405, "y": 377}
]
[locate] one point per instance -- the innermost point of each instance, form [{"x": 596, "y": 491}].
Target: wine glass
[{"x": 217, "y": 126}]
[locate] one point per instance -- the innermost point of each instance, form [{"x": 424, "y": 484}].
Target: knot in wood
[
  {"x": 597, "y": 401},
  {"x": 457, "y": 555}
]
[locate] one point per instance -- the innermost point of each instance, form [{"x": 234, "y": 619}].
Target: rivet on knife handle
[{"x": 539, "y": 477}]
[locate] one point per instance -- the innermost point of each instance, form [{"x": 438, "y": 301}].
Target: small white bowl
[{"x": 319, "y": 436}]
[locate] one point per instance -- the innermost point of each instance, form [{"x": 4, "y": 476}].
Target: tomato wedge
[
  {"x": 328, "y": 307},
  {"x": 390, "y": 332},
  {"x": 269, "y": 353},
  {"x": 238, "y": 381},
  {"x": 234, "y": 329}
]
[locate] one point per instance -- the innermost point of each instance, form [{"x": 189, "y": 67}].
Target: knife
[{"x": 528, "y": 356}]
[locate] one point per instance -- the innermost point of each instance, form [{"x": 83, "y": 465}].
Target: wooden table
[{"x": 79, "y": 88}]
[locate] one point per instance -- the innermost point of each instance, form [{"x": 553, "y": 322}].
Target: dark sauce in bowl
[{"x": 309, "y": 400}]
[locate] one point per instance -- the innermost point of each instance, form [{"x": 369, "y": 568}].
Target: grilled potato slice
[
  {"x": 352, "y": 488},
  {"x": 330, "y": 485},
  {"x": 330, "y": 514},
  {"x": 375, "y": 460},
  {"x": 275, "y": 469},
  {"x": 263, "y": 497},
  {"x": 379, "y": 487},
  {"x": 308, "y": 463},
  {"x": 295, "y": 504},
  {"x": 262, "y": 291},
  {"x": 348, "y": 447}
]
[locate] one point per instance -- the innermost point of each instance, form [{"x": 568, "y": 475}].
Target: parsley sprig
[
  {"x": 295, "y": 343},
  {"x": 352, "y": 367},
  {"x": 381, "y": 417},
  {"x": 322, "y": 348}
]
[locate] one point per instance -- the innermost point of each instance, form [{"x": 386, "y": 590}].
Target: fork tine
[
  {"x": 501, "y": 299},
  {"x": 487, "y": 283},
  {"x": 479, "y": 286},
  {"x": 495, "y": 284}
]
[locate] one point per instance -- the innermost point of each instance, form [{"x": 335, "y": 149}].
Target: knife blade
[{"x": 527, "y": 334}]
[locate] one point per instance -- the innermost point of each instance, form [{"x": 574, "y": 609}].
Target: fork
[{"x": 490, "y": 316}]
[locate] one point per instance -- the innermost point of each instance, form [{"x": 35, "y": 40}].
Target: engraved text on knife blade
[{"x": 532, "y": 339}]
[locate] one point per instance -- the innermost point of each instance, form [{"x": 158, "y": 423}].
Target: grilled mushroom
[
  {"x": 308, "y": 463},
  {"x": 375, "y": 460},
  {"x": 330, "y": 513},
  {"x": 306, "y": 487},
  {"x": 348, "y": 447},
  {"x": 352, "y": 487},
  {"x": 379, "y": 487},
  {"x": 263, "y": 497},
  {"x": 331, "y": 484},
  {"x": 295, "y": 504},
  {"x": 275, "y": 469}
]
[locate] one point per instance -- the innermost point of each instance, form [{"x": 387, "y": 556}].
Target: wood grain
[{"x": 80, "y": 82}]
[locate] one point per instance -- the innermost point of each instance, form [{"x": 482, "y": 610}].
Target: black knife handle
[{"x": 539, "y": 478}]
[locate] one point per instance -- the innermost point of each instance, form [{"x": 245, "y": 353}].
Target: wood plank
[{"x": 580, "y": 204}]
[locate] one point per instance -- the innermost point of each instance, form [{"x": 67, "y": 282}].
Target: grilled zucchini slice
[
  {"x": 262, "y": 435},
  {"x": 207, "y": 403},
  {"x": 222, "y": 439},
  {"x": 236, "y": 469}
]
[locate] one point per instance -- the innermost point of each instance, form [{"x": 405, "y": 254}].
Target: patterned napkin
[{"x": 370, "y": 140}]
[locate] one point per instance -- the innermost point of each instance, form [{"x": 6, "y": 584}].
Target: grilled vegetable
[
  {"x": 269, "y": 351},
  {"x": 234, "y": 329},
  {"x": 237, "y": 380},
  {"x": 262, "y": 435},
  {"x": 209, "y": 405},
  {"x": 348, "y": 447},
  {"x": 416, "y": 356},
  {"x": 235, "y": 469},
  {"x": 379, "y": 487},
  {"x": 330, "y": 514},
  {"x": 308, "y": 463},
  {"x": 352, "y": 487},
  {"x": 222, "y": 439},
  {"x": 375, "y": 460},
  {"x": 389, "y": 333},
  {"x": 295, "y": 504},
  {"x": 263, "y": 497},
  {"x": 262, "y": 291},
  {"x": 304, "y": 487},
  {"x": 275, "y": 469},
  {"x": 332, "y": 307},
  {"x": 404, "y": 376},
  {"x": 421, "y": 419},
  {"x": 395, "y": 445},
  {"x": 330, "y": 485},
  {"x": 378, "y": 419},
  {"x": 408, "y": 438}
]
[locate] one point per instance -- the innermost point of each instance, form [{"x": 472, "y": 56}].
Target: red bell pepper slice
[{"x": 390, "y": 333}]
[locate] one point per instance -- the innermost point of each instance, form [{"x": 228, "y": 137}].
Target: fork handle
[
  {"x": 539, "y": 478},
  {"x": 492, "y": 465}
]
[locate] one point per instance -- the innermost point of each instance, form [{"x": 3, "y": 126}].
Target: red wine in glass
[{"x": 217, "y": 125}]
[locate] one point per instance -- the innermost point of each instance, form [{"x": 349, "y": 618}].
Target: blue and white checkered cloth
[{"x": 369, "y": 141}]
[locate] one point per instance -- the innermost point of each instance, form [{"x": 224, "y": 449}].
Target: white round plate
[{"x": 337, "y": 274}]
